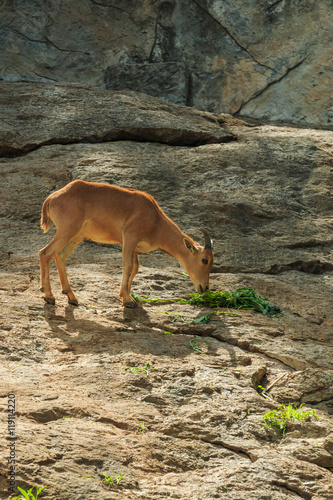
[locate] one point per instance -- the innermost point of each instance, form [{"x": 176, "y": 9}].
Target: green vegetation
[
  {"x": 181, "y": 317},
  {"x": 196, "y": 340},
  {"x": 144, "y": 298},
  {"x": 242, "y": 298},
  {"x": 142, "y": 427},
  {"x": 110, "y": 479},
  {"x": 261, "y": 389},
  {"x": 278, "y": 418},
  {"x": 144, "y": 369},
  {"x": 28, "y": 495},
  {"x": 206, "y": 317}
]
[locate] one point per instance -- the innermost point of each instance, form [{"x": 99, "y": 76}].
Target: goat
[{"x": 110, "y": 214}]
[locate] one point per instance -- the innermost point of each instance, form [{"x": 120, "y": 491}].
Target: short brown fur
[{"x": 111, "y": 214}]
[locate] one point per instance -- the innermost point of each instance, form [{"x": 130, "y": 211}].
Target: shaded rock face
[
  {"x": 79, "y": 114},
  {"x": 266, "y": 199},
  {"x": 171, "y": 81},
  {"x": 262, "y": 59}
]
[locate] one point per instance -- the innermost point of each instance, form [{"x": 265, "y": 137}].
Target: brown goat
[{"x": 111, "y": 214}]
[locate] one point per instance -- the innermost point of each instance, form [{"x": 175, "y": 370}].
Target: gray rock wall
[{"x": 267, "y": 59}]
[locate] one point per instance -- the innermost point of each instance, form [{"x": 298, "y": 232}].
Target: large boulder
[{"x": 39, "y": 114}]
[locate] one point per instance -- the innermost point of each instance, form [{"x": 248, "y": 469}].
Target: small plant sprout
[
  {"x": 206, "y": 317},
  {"x": 176, "y": 316},
  {"x": 196, "y": 340},
  {"x": 261, "y": 389},
  {"x": 141, "y": 369},
  {"x": 142, "y": 427},
  {"x": 114, "y": 479},
  {"x": 278, "y": 418},
  {"x": 28, "y": 495}
]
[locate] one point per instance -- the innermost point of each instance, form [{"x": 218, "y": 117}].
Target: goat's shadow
[{"x": 127, "y": 325}]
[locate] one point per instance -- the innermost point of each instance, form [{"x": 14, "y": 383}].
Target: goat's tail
[{"x": 45, "y": 221}]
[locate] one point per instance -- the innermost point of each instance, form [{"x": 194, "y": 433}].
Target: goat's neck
[{"x": 172, "y": 242}]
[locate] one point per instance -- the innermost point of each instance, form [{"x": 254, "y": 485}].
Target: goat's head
[{"x": 199, "y": 262}]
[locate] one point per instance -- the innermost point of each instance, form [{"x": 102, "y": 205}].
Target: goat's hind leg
[
  {"x": 60, "y": 259},
  {"x": 46, "y": 255}
]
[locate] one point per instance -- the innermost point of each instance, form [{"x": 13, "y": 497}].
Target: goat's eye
[{"x": 204, "y": 261}]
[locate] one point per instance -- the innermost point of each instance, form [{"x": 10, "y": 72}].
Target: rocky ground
[{"x": 191, "y": 425}]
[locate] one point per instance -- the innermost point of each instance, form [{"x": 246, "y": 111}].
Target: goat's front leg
[
  {"x": 134, "y": 270},
  {"x": 60, "y": 259},
  {"x": 129, "y": 270}
]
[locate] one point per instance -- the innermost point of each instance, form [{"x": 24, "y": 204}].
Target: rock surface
[
  {"x": 268, "y": 59},
  {"x": 266, "y": 198},
  {"x": 68, "y": 114},
  {"x": 169, "y": 81}
]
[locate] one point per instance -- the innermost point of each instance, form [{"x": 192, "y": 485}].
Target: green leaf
[
  {"x": 203, "y": 319},
  {"x": 195, "y": 347},
  {"x": 194, "y": 341},
  {"x": 38, "y": 490},
  {"x": 25, "y": 493}
]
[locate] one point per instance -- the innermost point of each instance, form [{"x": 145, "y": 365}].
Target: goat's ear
[{"x": 189, "y": 245}]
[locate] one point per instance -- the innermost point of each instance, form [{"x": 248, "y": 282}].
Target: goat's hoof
[
  {"x": 130, "y": 305},
  {"x": 73, "y": 302},
  {"x": 50, "y": 300}
]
